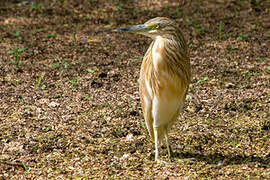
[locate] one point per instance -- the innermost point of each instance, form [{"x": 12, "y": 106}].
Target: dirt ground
[{"x": 69, "y": 103}]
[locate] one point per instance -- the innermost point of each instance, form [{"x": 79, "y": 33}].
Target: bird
[{"x": 165, "y": 76}]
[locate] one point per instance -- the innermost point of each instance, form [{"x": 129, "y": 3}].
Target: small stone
[
  {"x": 54, "y": 104},
  {"x": 129, "y": 137},
  {"x": 125, "y": 156},
  {"x": 229, "y": 85},
  {"x": 220, "y": 163}
]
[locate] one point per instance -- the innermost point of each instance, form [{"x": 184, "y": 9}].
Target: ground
[{"x": 70, "y": 107}]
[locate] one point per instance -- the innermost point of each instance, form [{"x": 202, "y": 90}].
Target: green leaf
[
  {"x": 75, "y": 36},
  {"x": 242, "y": 36},
  {"x": 37, "y": 31},
  {"x": 140, "y": 58},
  {"x": 28, "y": 107},
  {"x": 17, "y": 34},
  {"x": 268, "y": 68},
  {"x": 239, "y": 38},
  {"x": 261, "y": 59},
  {"x": 205, "y": 78},
  {"x": 36, "y": 6},
  {"x": 189, "y": 22},
  {"x": 21, "y": 49},
  {"x": 11, "y": 52},
  {"x": 51, "y": 35},
  {"x": 24, "y": 166},
  {"x": 240, "y": 86},
  {"x": 39, "y": 80},
  {"x": 43, "y": 87},
  {"x": 219, "y": 31},
  {"x": 90, "y": 70}
]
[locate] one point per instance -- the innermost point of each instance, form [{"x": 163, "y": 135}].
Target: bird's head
[{"x": 159, "y": 26}]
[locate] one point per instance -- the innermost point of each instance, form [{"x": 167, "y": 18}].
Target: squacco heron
[{"x": 164, "y": 77}]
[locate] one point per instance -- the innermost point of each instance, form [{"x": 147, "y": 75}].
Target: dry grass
[{"x": 82, "y": 118}]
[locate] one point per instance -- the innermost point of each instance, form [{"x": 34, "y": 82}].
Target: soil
[{"x": 69, "y": 102}]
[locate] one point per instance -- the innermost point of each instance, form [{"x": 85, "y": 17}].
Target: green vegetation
[
  {"x": 90, "y": 70},
  {"x": 74, "y": 36},
  {"x": 37, "y": 31},
  {"x": 17, "y": 52},
  {"x": 39, "y": 83},
  {"x": 75, "y": 81},
  {"x": 52, "y": 35},
  {"x": 242, "y": 36},
  {"x": 36, "y": 5},
  {"x": 194, "y": 23},
  {"x": 204, "y": 79},
  {"x": 17, "y": 34},
  {"x": 219, "y": 31}
]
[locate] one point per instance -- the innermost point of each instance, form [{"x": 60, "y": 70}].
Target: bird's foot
[{"x": 159, "y": 161}]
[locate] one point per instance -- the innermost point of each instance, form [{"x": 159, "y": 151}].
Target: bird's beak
[{"x": 136, "y": 29}]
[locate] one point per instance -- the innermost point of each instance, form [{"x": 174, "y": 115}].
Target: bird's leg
[
  {"x": 167, "y": 143},
  {"x": 156, "y": 144}
]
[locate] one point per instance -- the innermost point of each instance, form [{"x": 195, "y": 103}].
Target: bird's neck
[
  {"x": 169, "y": 54},
  {"x": 158, "y": 53}
]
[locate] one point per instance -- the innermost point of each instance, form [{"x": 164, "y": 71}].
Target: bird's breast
[{"x": 167, "y": 84}]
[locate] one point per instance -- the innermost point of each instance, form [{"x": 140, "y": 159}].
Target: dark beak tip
[
  {"x": 117, "y": 30},
  {"x": 131, "y": 28},
  {"x": 121, "y": 29}
]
